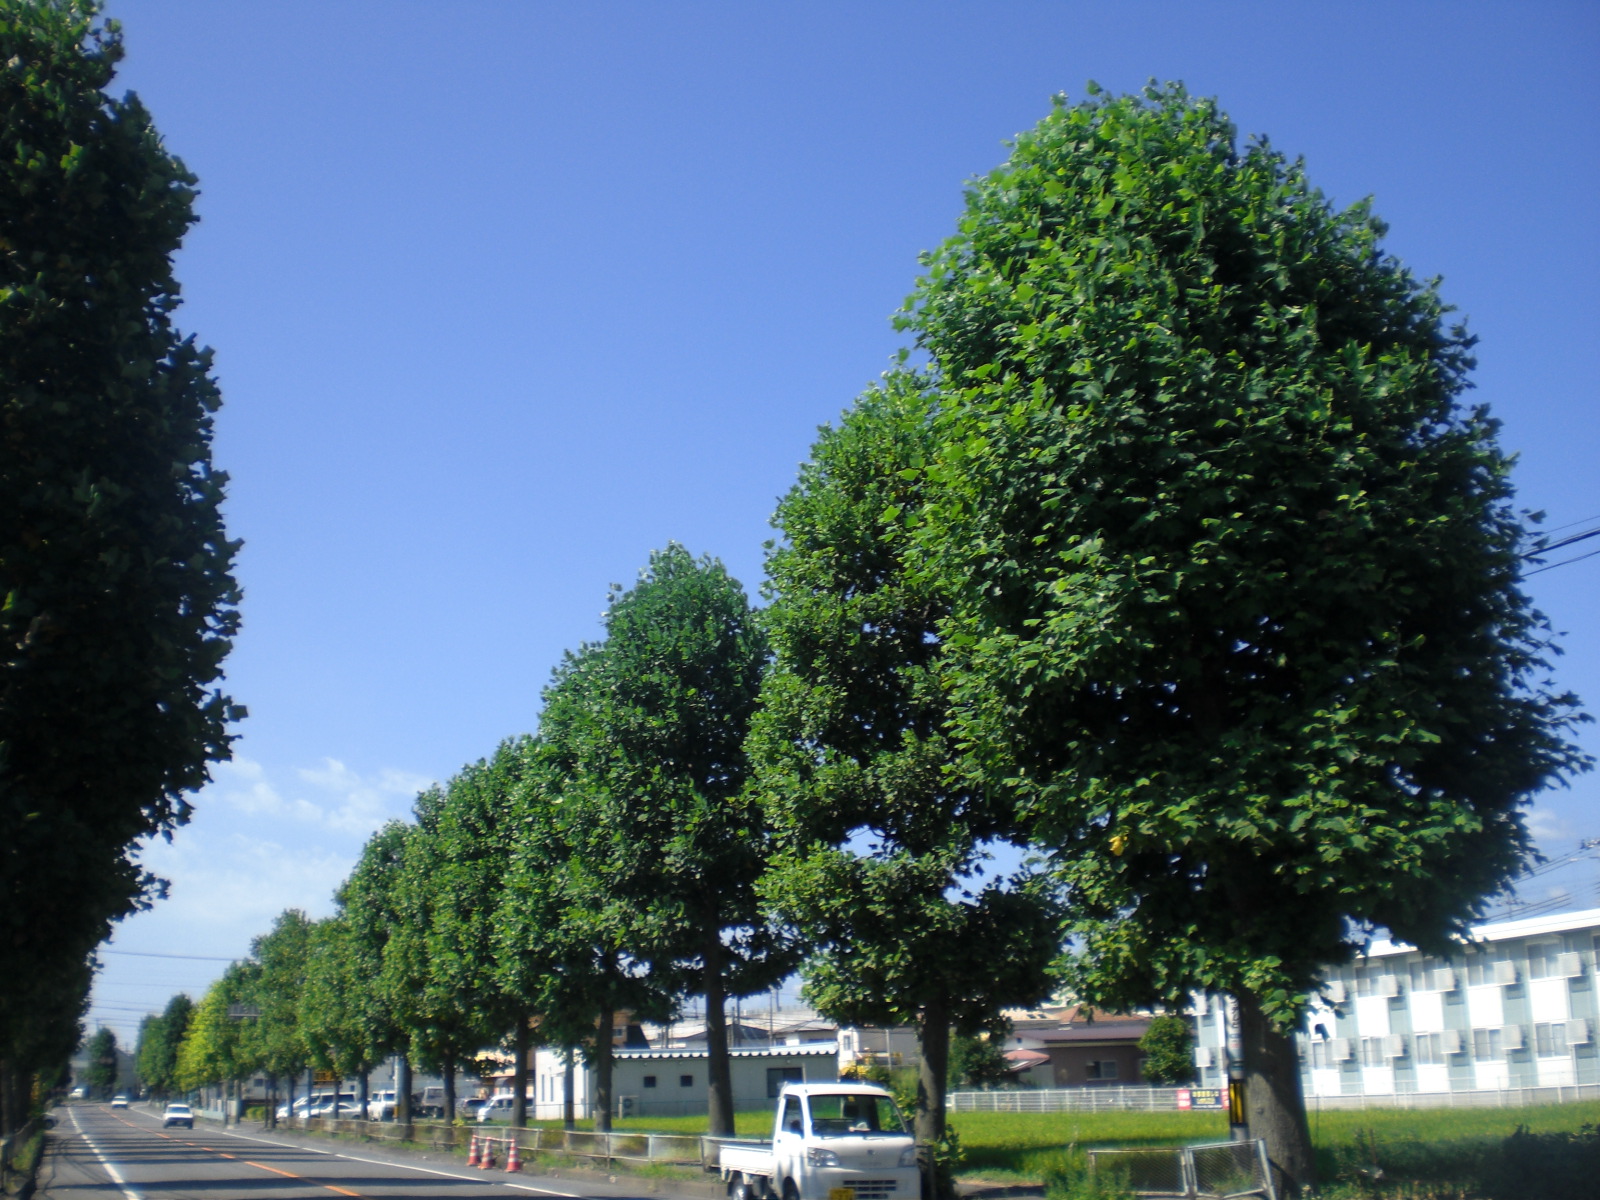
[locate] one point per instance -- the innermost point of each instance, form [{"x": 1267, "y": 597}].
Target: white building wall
[{"x": 1520, "y": 1007}]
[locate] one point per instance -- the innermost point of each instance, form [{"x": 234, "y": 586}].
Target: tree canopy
[
  {"x": 881, "y": 841},
  {"x": 1233, "y": 571},
  {"x": 116, "y": 600}
]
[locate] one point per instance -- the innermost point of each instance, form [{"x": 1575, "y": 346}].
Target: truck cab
[{"x": 830, "y": 1141}]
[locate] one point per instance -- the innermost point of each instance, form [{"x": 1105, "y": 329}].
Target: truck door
[{"x": 788, "y": 1146}]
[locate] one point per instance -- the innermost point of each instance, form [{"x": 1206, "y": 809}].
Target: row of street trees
[
  {"x": 117, "y": 604},
  {"x": 1178, "y": 562},
  {"x": 622, "y": 858}
]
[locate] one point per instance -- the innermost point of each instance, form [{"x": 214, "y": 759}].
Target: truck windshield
[{"x": 836, "y": 1115}]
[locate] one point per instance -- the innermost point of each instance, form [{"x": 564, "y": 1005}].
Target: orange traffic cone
[
  {"x": 486, "y": 1160},
  {"x": 472, "y": 1151},
  {"x": 513, "y": 1163}
]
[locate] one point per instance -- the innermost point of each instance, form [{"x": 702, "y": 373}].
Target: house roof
[
  {"x": 1103, "y": 1030},
  {"x": 808, "y": 1049},
  {"x": 1022, "y": 1059}
]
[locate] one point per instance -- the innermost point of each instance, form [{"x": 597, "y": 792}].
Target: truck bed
[{"x": 748, "y": 1156}]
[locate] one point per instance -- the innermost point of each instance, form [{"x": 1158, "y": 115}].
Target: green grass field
[{"x": 1396, "y": 1154}]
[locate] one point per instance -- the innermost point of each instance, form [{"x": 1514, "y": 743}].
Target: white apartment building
[{"x": 1517, "y": 1008}]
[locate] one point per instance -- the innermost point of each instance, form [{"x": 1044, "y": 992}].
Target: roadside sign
[{"x": 1212, "y": 1099}]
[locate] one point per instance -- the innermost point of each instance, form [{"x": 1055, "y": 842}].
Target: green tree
[
  {"x": 470, "y": 829},
  {"x": 651, "y": 731},
  {"x": 336, "y": 1006},
  {"x": 156, "y": 1057},
  {"x": 977, "y": 1062},
  {"x": 371, "y": 902},
  {"x": 1233, "y": 574},
  {"x": 275, "y": 1036},
  {"x": 218, "y": 1044},
  {"x": 883, "y": 845},
  {"x": 546, "y": 953},
  {"x": 102, "y": 1054},
  {"x": 116, "y": 601},
  {"x": 1168, "y": 1049}
]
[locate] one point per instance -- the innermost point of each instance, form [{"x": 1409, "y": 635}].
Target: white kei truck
[{"x": 830, "y": 1141}]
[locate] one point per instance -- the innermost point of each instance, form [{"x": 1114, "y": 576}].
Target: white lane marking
[
  {"x": 110, "y": 1168},
  {"x": 378, "y": 1162}
]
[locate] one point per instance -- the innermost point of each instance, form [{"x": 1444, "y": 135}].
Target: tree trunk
[
  {"x": 600, "y": 1105},
  {"x": 292, "y": 1078},
  {"x": 569, "y": 1118},
  {"x": 449, "y": 1089},
  {"x": 8, "y": 1115},
  {"x": 933, "y": 1045},
  {"x": 402, "y": 1091},
  {"x": 311, "y": 1091},
  {"x": 271, "y": 1121},
  {"x": 719, "y": 1089},
  {"x": 363, "y": 1091},
  {"x": 1274, "y": 1105},
  {"x": 519, "y": 1074}
]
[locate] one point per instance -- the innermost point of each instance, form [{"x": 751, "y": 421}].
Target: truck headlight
[
  {"x": 908, "y": 1157},
  {"x": 818, "y": 1157}
]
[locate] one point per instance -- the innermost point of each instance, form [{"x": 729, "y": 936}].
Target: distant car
[
  {"x": 380, "y": 1106},
  {"x": 471, "y": 1105},
  {"x": 178, "y": 1114},
  {"x": 498, "y": 1109},
  {"x": 119, "y": 1101}
]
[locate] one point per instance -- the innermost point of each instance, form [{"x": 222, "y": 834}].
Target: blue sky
[{"x": 505, "y": 295}]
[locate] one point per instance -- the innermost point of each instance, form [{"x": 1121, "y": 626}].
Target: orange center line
[
  {"x": 259, "y": 1166},
  {"x": 291, "y": 1175}
]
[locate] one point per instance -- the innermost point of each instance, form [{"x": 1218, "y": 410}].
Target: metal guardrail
[
  {"x": 1217, "y": 1171},
  {"x": 618, "y": 1145},
  {"x": 1087, "y": 1099}
]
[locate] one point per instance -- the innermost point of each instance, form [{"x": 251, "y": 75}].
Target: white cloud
[
  {"x": 331, "y": 794},
  {"x": 260, "y": 841},
  {"x": 1547, "y": 825}
]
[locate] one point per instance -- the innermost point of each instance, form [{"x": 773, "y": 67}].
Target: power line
[
  {"x": 1542, "y": 547},
  {"x": 1562, "y": 563},
  {"x": 153, "y": 954}
]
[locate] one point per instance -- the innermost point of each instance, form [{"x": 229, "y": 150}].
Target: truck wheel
[
  {"x": 742, "y": 1190},
  {"x": 790, "y": 1191}
]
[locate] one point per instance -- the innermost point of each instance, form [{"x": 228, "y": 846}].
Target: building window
[
  {"x": 649, "y": 1081},
  {"x": 1542, "y": 960},
  {"x": 778, "y": 1076},
  {"x": 685, "y": 1080},
  {"x": 1550, "y": 1041},
  {"x": 1428, "y": 1048},
  {"x": 1104, "y": 1068},
  {"x": 1378, "y": 1051},
  {"x": 1486, "y": 1045}
]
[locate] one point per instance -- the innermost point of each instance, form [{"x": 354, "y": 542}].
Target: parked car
[
  {"x": 178, "y": 1114},
  {"x": 324, "y": 1104},
  {"x": 380, "y": 1105},
  {"x": 498, "y": 1109},
  {"x": 119, "y": 1101},
  {"x": 471, "y": 1105}
]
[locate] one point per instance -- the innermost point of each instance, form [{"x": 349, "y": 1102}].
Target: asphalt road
[{"x": 98, "y": 1152}]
